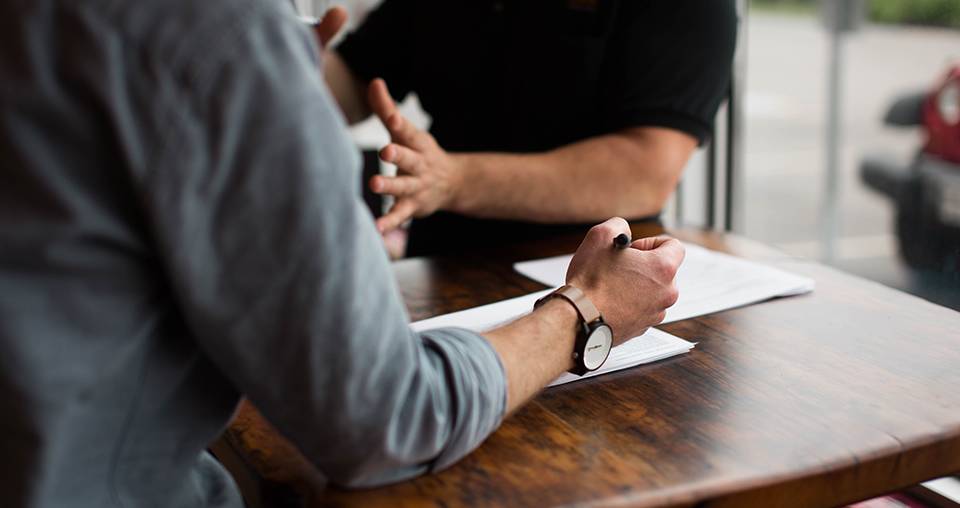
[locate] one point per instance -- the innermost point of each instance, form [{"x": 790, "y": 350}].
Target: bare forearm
[
  {"x": 346, "y": 87},
  {"x": 620, "y": 174},
  {"x": 535, "y": 349}
]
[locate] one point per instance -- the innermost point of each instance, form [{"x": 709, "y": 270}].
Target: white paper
[
  {"x": 708, "y": 281},
  {"x": 651, "y": 346}
]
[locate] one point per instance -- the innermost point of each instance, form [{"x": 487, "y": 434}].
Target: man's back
[
  {"x": 98, "y": 374},
  {"x": 180, "y": 223}
]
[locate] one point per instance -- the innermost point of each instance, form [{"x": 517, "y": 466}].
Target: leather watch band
[{"x": 587, "y": 310}]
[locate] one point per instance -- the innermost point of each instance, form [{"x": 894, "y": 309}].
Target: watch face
[{"x": 598, "y": 347}]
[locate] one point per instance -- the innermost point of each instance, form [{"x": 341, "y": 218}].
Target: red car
[
  {"x": 941, "y": 118},
  {"x": 927, "y": 192}
]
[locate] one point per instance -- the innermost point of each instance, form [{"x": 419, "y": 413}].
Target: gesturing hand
[
  {"x": 428, "y": 178},
  {"x": 632, "y": 287}
]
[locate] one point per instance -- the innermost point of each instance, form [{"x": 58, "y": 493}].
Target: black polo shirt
[{"x": 533, "y": 75}]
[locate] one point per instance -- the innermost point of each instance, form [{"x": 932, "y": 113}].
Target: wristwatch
[{"x": 594, "y": 337}]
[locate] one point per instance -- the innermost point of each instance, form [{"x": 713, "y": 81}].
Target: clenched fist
[{"x": 631, "y": 287}]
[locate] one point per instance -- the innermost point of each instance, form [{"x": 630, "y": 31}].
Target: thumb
[{"x": 328, "y": 27}]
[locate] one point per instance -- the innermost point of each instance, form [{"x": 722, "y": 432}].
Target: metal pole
[
  {"x": 831, "y": 193},
  {"x": 711, "y": 219},
  {"x": 736, "y": 132},
  {"x": 678, "y": 204}
]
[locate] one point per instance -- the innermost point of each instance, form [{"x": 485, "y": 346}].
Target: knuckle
[
  {"x": 670, "y": 271},
  {"x": 667, "y": 268},
  {"x": 602, "y": 230},
  {"x": 671, "y": 295},
  {"x": 395, "y": 121},
  {"x": 679, "y": 245},
  {"x": 619, "y": 223},
  {"x": 593, "y": 235},
  {"x": 661, "y": 268}
]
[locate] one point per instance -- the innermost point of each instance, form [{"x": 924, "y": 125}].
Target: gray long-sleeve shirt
[{"x": 180, "y": 224}]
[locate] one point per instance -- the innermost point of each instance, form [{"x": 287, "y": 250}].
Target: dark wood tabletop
[{"x": 817, "y": 400}]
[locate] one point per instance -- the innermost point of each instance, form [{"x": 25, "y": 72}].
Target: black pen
[{"x": 622, "y": 241}]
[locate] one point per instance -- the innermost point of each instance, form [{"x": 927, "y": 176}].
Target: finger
[
  {"x": 401, "y": 212},
  {"x": 606, "y": 231},
  {"x": 660, "y": 317},
  {"x": 404, "y": 158},
  {"x": 672, "y": 249},
  {"x": 395, "y": 185},
  {"x": 330, "y": 25},
  {"x": 668, "y": 257},
  {"x": 403, "y": 131},
  {"x": 671, "y": 296},
  {"x": 378, "y": 95},
  {"x": 649, "y": 243}
]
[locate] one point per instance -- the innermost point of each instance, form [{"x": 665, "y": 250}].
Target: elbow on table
[
  {"x": 366, "y": 460},
  {"x": 364, "y": 475},
  {"x": 421, "y": 421},
  {"x": 376, "y": 447}
]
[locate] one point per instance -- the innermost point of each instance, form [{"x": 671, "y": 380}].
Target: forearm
[
  {"x": 347, "y": 89},
  {"x": 535, "y": 349},
  {"x": 619, "y": 174}
]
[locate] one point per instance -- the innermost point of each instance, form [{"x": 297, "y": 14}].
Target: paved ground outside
[{"x": 787, "y": 59}]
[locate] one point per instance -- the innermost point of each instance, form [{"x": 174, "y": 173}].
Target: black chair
[{"x": 725, "y": 151}]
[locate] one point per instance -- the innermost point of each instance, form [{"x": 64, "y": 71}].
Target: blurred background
[
  {"x": 792, "y": 189},
  {"x": 902, "y": 47}
]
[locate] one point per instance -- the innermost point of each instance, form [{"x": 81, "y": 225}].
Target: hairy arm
[
  {"x": 630, "y": 173},
  {"x": 535, "y": 350}
]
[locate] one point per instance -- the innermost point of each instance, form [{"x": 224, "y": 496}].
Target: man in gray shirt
[{"x": 180, "y": 226}]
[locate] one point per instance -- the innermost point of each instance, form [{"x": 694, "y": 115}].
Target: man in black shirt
[{"x": 546, "y": 113}]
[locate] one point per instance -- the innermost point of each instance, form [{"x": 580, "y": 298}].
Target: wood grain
[{"x": 817, "y": 400}]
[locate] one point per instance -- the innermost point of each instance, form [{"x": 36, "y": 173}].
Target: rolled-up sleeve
[{"x": 281, "y": 277}]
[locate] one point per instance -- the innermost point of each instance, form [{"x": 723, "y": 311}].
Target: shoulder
[
  {"x": 670, "y": 19},
  {"x": 195, "y": 37},
  {"x": 714, "y": 17}
]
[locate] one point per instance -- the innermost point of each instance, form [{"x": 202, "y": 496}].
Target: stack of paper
[
  {"x": 649, "y": 347},
  {"x": 708, "y": 281}
]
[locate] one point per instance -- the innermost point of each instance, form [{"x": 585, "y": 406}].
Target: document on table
[
  {"x": 708, "y": 281},
  {"x": 651, "y": 346}
]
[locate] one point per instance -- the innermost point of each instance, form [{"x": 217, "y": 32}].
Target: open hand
[
  {"x": 631, "y": 287},
  {"x": 428, "y": 178}
]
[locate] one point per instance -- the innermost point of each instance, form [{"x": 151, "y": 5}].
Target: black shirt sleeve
[
  {"x": 382, "y": 47},
  {"x": 669, "y": 64}
]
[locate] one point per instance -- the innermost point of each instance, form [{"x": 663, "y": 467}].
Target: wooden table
[{"x": 818, "y": 400}]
